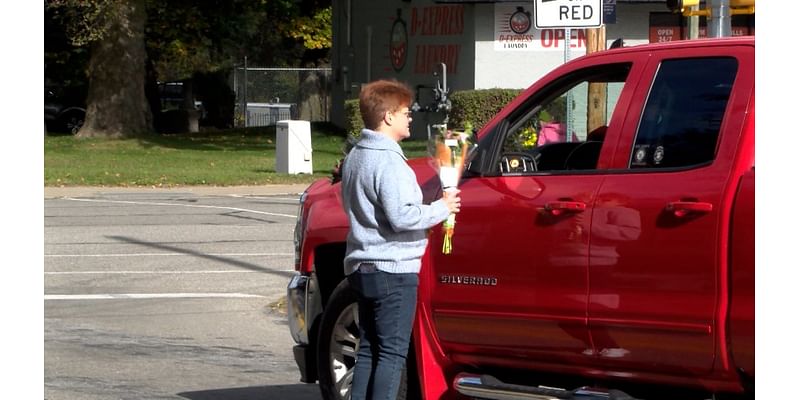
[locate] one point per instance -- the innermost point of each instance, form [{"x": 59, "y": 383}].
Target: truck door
[
  {"x": 657, "y": 239},
  {"x": 514, "y": 290}
]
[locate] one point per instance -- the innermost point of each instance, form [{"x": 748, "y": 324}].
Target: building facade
[{"x": 483, "y": 44}]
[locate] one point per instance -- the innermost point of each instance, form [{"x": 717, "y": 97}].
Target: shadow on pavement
[
  {"x": 279, "y": 392},
  {"x": 230, "y": 261}
]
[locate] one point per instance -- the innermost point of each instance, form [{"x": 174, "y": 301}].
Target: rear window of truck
[{"x": 681, "y": 120}]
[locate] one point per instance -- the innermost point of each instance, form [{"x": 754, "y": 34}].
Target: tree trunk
[
  {"x": 116, "y": 103},
  {"x": 314, "y": 102},
  {"x": 192, "y": 114}
]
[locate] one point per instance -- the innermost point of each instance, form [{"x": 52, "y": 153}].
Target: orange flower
[{"x": 450, "y": 149}]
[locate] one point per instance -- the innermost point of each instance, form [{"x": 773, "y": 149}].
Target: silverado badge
[{"x": 468, "y": 280}]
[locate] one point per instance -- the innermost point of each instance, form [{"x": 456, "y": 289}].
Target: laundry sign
[{"x": 514, "y": 31}]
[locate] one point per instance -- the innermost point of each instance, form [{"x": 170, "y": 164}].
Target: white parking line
[
  {"x": 295, "y": 199},
  {"x": 138, "y": 296},
  {"x": 147, "y": 272},
  {"x": 182, "y": 205},
  {"x": 170, "y": 255}
]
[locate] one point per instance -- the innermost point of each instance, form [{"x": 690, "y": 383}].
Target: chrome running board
[{"x": 489, "y": 387}]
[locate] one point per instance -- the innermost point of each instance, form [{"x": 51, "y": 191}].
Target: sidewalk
[{"x": 90, "y": 191}]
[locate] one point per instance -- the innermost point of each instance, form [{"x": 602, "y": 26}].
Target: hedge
[
  {"x": 479, "y": 106},
  {"x": 353, "y": 122},
  {"x": 475, "y": 106}
]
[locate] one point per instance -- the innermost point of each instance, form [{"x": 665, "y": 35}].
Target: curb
[{"x": 93, "y": 191}]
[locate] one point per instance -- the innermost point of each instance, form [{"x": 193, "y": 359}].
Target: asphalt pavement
[{"x": 153, "y": 293}]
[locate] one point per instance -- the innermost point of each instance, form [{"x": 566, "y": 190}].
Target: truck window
[
  {"x": 680, "y": 123},
  {"x": 562, "y": 132}
]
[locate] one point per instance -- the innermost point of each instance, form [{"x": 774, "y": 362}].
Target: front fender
[{"x": 325, "y": 223}]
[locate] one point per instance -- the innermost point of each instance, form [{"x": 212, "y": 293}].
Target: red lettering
[
  {"x": 443, "y": 17},
  {"x": 452, "y": 57},
  {"x": 581, "y": 38},
  {"x": 437, "y": 20},
  {"x": 430, "y": 55},
  {"x": 414, "y": 21},
  {"x": 428, "y": 28},
  {"x": 558, "y": 35},
  {"x": 547, "y": 37},
  {"x": 436, "y": 15},
  {"x": 457, "y": 20},
  {"x": 446, "y": 21}
]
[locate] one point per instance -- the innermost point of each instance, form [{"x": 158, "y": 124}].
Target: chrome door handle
[
  {"x": 560, "y": 207},
  {"x": 684, "y": 208}
]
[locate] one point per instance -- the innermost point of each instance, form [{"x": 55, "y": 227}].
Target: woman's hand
[{"x": 452, "y": 200}]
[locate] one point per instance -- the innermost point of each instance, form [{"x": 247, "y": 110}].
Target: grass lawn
[{"x": 216, "y": 158}]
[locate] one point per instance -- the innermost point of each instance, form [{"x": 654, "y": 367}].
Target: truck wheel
[
  {"x": 73, "y": 120},
  {"x": 338, "y": 345}
]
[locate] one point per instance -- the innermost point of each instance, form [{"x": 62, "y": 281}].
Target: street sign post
[{"x": 568, "y": 13}]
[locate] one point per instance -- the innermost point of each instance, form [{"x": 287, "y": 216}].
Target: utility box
[{"x": 293, "y": 147}]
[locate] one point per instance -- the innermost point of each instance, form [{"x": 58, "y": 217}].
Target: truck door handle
[
  {"x": 683, "y": 208},
  {"x": 560, "y": 207}
]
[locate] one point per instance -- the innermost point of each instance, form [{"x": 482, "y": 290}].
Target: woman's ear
[{"x": 388, "y": 118}]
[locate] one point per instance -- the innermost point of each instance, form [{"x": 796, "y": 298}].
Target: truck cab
[{"x": 604, "y": 245}]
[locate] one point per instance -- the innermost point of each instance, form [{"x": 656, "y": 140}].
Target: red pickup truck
[{"x": 612, "y": 259}]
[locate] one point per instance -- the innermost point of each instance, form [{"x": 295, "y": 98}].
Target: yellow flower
[{"x": 528, "y": 137}]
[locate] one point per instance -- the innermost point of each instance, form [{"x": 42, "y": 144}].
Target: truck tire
[
  {"x": 72, "y": 121},
  {"x": 338, "y": 345}
]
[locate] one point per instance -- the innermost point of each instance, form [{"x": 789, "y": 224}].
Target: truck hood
[{"x": 423, "y": 168}]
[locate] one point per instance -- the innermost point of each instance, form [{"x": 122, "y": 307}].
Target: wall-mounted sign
[
  {"x": 609, "y": 12},
  {"x": 514, "y": 31},
  {"x": 667, "y": 27},
  {"x": 435, "y": 33},
  {"x": 398, "y": 46}
]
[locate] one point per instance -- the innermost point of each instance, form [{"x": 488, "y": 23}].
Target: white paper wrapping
[{"x": 448, "y": 176}]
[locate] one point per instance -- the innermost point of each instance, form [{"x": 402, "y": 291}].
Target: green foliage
[
  {"x": 470, "y": 107},
  {"x": 184, "y": 38},
  {"x": 353, "y": 122},
  {"x": 556, "y": 110},
  {"x": 479, "y": 106},
  {"x": 85, "y": 21},
  {"x": 291, "y": 33},
  {"x": 314, "y": 31}
]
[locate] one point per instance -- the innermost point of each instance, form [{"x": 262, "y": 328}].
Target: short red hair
[{"x": 382, "y": 96}]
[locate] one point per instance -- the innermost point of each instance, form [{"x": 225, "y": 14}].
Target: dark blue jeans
[{"x": 386, "y": 306}]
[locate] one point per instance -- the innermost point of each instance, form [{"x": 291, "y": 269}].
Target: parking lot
[{"x": 169, "y": 295}]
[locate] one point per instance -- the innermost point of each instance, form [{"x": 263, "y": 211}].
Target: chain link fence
[{"x": 265, "y": 96}]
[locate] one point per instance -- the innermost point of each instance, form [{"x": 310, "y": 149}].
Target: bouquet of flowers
[{"x": 449, "y": 150}]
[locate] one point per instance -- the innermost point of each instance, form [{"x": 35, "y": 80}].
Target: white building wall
[
  {"x": 518, "y": 69},
  {"x": 469, "y": 29}
]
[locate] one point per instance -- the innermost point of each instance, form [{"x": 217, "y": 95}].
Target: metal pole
[
  {"x": 244, "y": 101},
  {"x": 369, "y": 53},
  {"x": 568, "y": 123},
  {"x": 719, "y": 24},
  {"x": 694, "y": 24}
]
